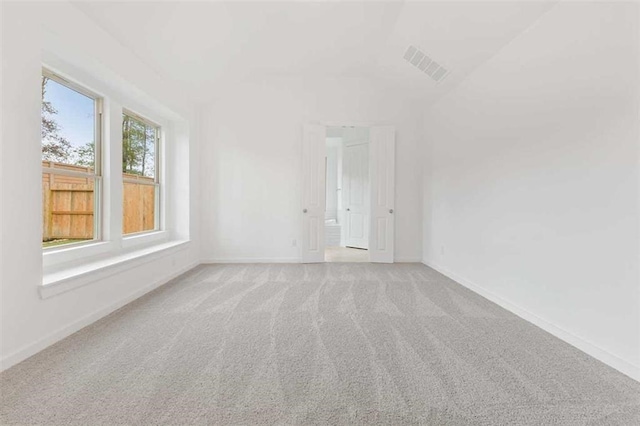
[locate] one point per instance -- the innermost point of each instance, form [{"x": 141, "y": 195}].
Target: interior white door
[
  {"x": 382, "y": 180},
  {"x": 355, "y": 188},
  {"x": 313, "y": 193}
]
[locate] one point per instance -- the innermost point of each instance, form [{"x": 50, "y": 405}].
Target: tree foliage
[
  {"x": 138, "y": 142},
  {"x": 85, "y": 155},
  {"x": 55, "y": 147}
]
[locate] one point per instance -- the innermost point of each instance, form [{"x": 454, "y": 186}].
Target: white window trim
[
  {"x": 73, "y": 254},
  {"x": 146, "y": 238},
  {"x": 74, "y": 251}
]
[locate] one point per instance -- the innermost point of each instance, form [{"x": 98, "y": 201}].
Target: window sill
[
  {"x": 72, "y": 253},
  {"x": 144, "y": 238},
  {"x": 68, "y": 279}
]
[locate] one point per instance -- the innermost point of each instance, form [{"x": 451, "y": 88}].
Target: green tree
[
  {"x": 55, "y": 147},
  {"x": 137, "y": 143},
  {"x": 85, "y": 155}
]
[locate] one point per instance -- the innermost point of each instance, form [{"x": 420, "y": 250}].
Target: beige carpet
[{"x": 342, "y": 343}]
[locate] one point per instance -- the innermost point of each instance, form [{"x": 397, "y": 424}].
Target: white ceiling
[{"x": 202, "y": 45}]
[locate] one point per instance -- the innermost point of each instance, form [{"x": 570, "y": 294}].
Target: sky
[{"x": 75, "y": 115}]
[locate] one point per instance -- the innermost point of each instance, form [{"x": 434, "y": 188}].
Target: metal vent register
[{"x": 424, "y": 63}]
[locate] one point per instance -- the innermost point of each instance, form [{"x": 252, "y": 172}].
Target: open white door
[
  {"x": 382, "y": 159},
  {"x": 313, "y": 193}
]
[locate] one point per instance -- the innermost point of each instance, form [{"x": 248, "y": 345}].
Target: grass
[{"x": 54, "y": 243}]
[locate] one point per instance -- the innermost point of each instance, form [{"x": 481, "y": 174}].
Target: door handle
[
  {"x": 391, "y": 211},
  {"x": 348, "y": 210},
  {"x": 304, "y": 210}
]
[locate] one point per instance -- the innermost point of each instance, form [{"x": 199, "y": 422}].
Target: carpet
[{"x": 351, "y": 343}]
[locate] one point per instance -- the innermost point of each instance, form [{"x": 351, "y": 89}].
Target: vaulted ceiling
[{"x": 203, "y": 45}]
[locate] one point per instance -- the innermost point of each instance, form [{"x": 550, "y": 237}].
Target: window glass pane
[
  {"x": 67, "y": 209},
  {"x": 139, "y": 207},
  {"x": 68, "y": 126},
  {"x": 138, "y": 147},
  {"x": 140, "y": 187}
]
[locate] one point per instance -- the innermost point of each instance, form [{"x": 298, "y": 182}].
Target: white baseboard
[
  {"x": 32, "y": 349},
  {"x": 252, "y": 260},
  {"x": 288, "y": 260},
  {"x": 585, "y": 346},
  {"x": 407, "y": 260}
]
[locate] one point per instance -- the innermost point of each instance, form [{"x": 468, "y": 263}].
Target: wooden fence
[
  {"x": 139, "y": 205},
  {"x": 68, "y": 204}
]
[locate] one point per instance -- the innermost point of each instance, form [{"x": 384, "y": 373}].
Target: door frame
[{"x": 372, "y": 157}]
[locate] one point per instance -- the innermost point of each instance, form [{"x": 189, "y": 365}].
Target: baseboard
[
  {"x": 288, "y": 260},
  {"x": 407, "y": 260},
  {"x": 32, "y": 349},
  {"x": 585, "y": 346},
  {"x": 252, "y": 260}
]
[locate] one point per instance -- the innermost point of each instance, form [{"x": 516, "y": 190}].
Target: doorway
[
  {"x": 347, "y": 201},
  {"x": 369, "y": 223}
]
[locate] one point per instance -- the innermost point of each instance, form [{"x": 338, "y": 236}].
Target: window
[
  {"x": 140, "y": 174},
  {"x": 71, "y": 176}
]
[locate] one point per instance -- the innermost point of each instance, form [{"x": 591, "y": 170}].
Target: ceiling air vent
[{"x": 422, "y": 62}]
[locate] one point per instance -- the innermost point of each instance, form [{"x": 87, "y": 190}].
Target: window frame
[
  {"x": 97, "y": 175},
  {"x": 70, "y": 266},
  {"x": 157, "y": 182}
]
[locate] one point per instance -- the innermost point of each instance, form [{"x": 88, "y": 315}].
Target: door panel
[
  {"x": 355, "y": 183},
  {"x": 382, "y": 150},
  {"x": 313, "y": 193},
  {"x": 356, "y": 225}
]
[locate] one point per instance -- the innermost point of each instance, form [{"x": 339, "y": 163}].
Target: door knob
[
  {"x": 348, "y": 210},
  {"x": 304, "y": 210},
  {"x": 390, "y": 210}
]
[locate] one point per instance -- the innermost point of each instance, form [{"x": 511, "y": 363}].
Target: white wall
[
  {"x": 532, "y": 179},
  {"x": 252, "y": 148},
  {"x": 30, "y": 323}
]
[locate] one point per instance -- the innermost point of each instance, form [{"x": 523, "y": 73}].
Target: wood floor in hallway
[{"x": 345, "y": 254}]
